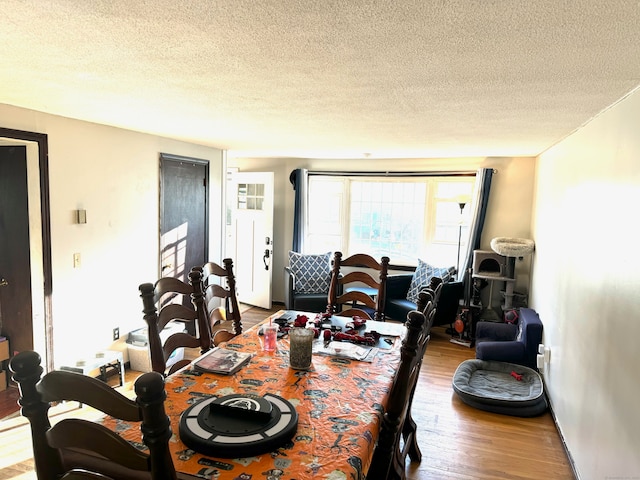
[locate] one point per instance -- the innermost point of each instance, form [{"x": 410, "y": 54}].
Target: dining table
[{"x": 339, "y": 402}]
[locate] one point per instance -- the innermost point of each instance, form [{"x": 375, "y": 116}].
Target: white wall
[
  {"x": 586, "y": 288},
  {"x": 114, "y": 175},
  {"x": 509, "y": 204}
]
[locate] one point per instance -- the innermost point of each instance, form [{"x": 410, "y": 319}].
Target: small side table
[{"x": 103, "y": 361}]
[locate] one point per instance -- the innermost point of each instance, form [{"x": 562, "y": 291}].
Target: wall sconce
[{"x": 81, "y": 216}]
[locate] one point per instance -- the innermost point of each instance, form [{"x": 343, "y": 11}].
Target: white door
[{"x": 250, "y": 234}]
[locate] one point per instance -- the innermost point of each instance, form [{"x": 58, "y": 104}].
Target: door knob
[
  {"x": 265, "y": 257},
  {"x": 3, "y": 282}
]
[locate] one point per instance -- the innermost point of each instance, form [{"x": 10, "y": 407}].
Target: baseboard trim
[{"x": 572, "y": 464}]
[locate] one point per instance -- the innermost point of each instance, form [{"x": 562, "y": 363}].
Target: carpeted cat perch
[{"x": 511, "y": 248}]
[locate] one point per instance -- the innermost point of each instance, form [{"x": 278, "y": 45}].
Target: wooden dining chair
[
  {"x": 431, "y": 294},
  {"x": 434, "y": 289},
  {"x": 162, "y": 303},
  {"x": 426, "y": 298},
  {"x": 77, "y": 448},
  {"x": 410, "y": 445},
  {"x": 388, "y": 460},
  {"x": 362, "y": 304},
  {"x": 225, "y": 320}
]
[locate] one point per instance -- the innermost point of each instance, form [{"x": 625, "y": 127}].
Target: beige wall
[
  {"x": 114, "y": 175},
  {"x": 586, "y": 288},
  {"x": 509, "y": 205}
]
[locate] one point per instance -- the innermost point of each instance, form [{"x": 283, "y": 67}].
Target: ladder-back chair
[
  {"x": 77, "y": 448},
  {"x": 159, "y": 309},
  {"x": 388, "y": 457},
  {"x": 409, "y": 428},
  {"x": 225, "y": 320},
  {"x": 362, "y": 304}
]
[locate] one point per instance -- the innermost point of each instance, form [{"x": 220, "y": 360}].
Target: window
[
  {"x": 250, "y": 196},
  {"x": 405, "y": 218}
]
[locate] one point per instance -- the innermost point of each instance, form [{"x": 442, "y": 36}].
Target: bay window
[{"x": 402, "y": 217}]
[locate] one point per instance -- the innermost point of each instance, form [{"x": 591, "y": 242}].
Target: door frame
[
  {"x": 259, "y": 248},
  {"x": 41, "y": 140}
]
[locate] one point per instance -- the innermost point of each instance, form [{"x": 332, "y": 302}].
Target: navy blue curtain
[
  {"x": 481, "y": 200},
  {"x": 299, "y": 178}
]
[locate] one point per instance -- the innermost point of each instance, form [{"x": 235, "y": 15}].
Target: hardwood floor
[
  {"x": 8, "y": 402},
  {"x": 457, "y": 441},
  {"x": 460, "y": 442}
]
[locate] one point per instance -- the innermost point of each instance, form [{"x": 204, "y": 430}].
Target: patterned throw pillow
[
  {"x": 312, "y": 272},
  {"x": 422, "y": 277}
]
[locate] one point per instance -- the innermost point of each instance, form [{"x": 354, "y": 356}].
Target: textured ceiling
[{"x": 332, "y": 78}]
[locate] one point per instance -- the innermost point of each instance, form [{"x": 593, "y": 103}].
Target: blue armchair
[
  {"x": 315, "y": 302},
  {"x": 397, "y": 306},
  {"x": 306, "y": 282},
  {"x": 506, "y": 342}
]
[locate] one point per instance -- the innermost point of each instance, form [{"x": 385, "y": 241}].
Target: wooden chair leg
[
  {"x": 409, "y": 432},
  {"x": 397, "y": 470}
]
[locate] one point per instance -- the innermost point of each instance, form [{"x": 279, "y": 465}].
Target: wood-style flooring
[{"x": 457, "y": 441}]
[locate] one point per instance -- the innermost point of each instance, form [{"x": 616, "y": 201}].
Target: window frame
[{"x": 429, "y": 228}]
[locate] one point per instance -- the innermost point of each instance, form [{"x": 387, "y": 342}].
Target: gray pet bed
[{"x": 490, "y": 386}]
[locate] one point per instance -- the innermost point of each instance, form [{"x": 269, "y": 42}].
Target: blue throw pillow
[
  {"x": 312, "y": 272},
  {"x": 422, "y": 277}
]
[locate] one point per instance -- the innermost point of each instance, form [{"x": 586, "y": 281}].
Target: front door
[
  {"x": 250, "y": 238},
  {"x": 15, "y": 262},
  {"x": 183, "y": 215}
]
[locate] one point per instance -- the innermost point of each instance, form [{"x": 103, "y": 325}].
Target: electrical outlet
[{"x": 116, "y": 334}]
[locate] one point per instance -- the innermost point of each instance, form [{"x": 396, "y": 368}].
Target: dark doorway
[
  {"x": 183, "y": 214},
  {"x": 37, "y": 148},
  {"x": 15, "y": 264}
]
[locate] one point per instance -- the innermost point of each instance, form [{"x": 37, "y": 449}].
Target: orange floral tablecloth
[{"x": 339, "y": 404}]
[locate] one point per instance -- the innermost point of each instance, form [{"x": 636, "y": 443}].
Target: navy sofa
[{"x": 506, "y": 342}]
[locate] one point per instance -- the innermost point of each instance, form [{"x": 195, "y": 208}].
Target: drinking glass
[
  {"x": 300, "y": 347},
  {"x": 270, "y": 333}
]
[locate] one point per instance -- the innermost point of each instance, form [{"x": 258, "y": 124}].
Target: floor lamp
[
  {"x": 461, "y": 204},
  {"x": 461, "y": 324}
]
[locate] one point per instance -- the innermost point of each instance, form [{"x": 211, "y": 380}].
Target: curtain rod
[{"x": 463, "y": 173}]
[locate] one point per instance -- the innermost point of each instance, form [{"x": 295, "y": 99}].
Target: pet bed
[{"x": 500, "y": 387}]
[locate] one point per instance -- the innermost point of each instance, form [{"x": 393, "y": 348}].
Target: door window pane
[{"x": 250, "y": 196}]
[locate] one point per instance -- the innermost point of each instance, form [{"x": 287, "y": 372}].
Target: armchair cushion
[
  {"x": 312, "y": 273},
  {"x": 505, "y": 342},
  {"x": 422, "y": 277},
  {"x": 496, "y": 332},
  {"x": 397, "y": 306}
]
